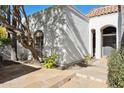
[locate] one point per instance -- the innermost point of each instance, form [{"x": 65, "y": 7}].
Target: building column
[
  {"x": 98, "y": 53},
  {"x": 117, "y": 39},
  {"x": 90, "y": 43},
  {"x": 118, "y": 33}
]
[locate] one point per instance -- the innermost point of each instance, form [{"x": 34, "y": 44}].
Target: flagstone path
[{"x": 23, "y": 76}]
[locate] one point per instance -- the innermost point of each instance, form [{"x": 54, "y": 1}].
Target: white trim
[
  {"x": 70, "y": 7},
  {"x": 98, "y": 51},
  {"x": 109, "y": 34},
  {"x": 117, "y": 38},
  {"x": 90, "y": 43}
]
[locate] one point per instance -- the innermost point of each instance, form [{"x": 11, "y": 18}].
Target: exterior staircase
[{"x": 93, "y": 76}]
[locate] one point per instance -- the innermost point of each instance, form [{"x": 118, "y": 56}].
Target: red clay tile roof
[{"x": 103, "y": 11}]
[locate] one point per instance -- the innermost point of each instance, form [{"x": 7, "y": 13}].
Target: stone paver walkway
[
  {"x": 94, "y": 76},
  {"x": 36, "y": 78},
  {"x": 21, "y": 76},
  {"x": 78, "y": 82}
]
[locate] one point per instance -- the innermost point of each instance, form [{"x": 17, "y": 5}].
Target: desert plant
[
  {"x": 50, "y": 61},
  {"x": 4, "y": 40},
  {"x": 87, "y": 58},
  {"x": 116, "y": 69},
  {"x": 3, "y": 32}
]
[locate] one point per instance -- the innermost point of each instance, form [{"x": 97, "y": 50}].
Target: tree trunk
[
  {"x": 35, "y": 58},
  {"x": 20, "y": 31}
]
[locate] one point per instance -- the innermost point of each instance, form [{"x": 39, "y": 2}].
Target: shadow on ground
[
  {"x": 78, "y": 65},
  {"x": 12, "y": 70}
]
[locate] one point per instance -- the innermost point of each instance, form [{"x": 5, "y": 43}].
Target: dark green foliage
[
  {"x": 4, "y": 41},
  {"x": 116, "y": 69},
  {"x": 50, "y": 62}
]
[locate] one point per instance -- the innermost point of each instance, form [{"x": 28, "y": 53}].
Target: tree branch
[{"x": 24, "y": 13}]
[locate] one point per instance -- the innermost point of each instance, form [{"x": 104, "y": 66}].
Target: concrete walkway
[
  {"x": 94, "y": 76},
  {"x": 78, "y": 82},
  {"x": 21, "y": 76}
]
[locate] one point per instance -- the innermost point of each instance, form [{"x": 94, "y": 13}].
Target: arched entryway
[
  {"x": 38, "y": 37},
  {"x": 93, "y": 42},
  {"x": 108, "y": 40}
]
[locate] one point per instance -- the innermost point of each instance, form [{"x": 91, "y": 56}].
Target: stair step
[{"x": 78, "y": 82}]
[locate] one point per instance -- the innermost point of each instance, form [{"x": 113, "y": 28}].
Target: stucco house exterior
[
  {"x": 65, "y": 31},
  {"x": 61, "y": 30},
  {"x": 104, "y": 30}
]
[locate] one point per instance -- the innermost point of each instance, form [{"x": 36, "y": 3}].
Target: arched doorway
[
  {"x": 39, "y": 36},
  {"x": 108, "y": 40},
  {"x": 93, "y": 42}
]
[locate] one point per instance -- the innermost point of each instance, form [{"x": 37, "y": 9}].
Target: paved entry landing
[
  {"x": 21, "y": 76},
  {"x": 14, "y": 71},
  {"x": 94, "y": 76}
]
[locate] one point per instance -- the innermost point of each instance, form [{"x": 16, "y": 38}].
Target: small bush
[
  {"x": 3, "y": 32},
  {"x": 116, "y": 69},
  {"x": 1, "y": 43},
  {"x": 50, "y": 62},
  {"x": 87, "y": 58},
  {"x": 5, "y": 41}
]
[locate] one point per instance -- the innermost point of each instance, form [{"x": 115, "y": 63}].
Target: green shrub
[
  {"x": 116, "y": 69},
  {"x": 87, "y": 58},
  {"x": 4, "y": 41},
  {"x": 3, "y": 32},
  {"x": 50, "y": 62},
  {"x": 1, "y": 43}
]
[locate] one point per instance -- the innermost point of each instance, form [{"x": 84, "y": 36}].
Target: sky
[{"x": 30, "y": 9}]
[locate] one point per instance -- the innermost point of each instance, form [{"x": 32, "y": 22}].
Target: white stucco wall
[
  {"x": 76, "y": 36},
  {"x": 81, "y": 22},
  {"x": 65, "y": 33},
  {"x": 98, "y": 23}
]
